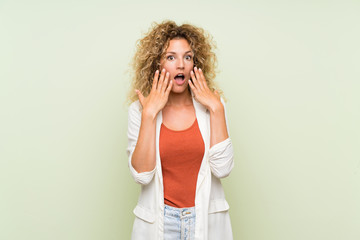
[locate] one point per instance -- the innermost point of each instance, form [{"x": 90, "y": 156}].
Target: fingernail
[
  {"x": 192, "y": 72},
  {"x": 167, "y": 74},
  {"x": 199, "y": 69},
  {"x": 163, "y": 70},
  {"x": 157, "y": 71},
  {"x": 195, "y": 68}
]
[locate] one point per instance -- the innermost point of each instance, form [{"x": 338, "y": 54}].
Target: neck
[{"x": 179, "y": 99}]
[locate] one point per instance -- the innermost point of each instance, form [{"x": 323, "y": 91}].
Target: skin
[{"x": 175, "y": 102}]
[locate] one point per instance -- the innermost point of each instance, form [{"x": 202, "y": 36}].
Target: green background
[{"x": 289, "y": 69}]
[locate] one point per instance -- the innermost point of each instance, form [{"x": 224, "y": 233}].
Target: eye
[
  {"x": 188, "y": 57},
  {"x": 170, "y": 57}
]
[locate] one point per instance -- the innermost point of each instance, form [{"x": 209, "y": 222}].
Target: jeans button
[{"x": 185, "y": 213}]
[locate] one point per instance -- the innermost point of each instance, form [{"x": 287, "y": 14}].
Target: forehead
[{"x": 178, "y": 45}]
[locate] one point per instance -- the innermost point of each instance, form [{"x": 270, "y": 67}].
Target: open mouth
[{"x": 180, "y": 78}]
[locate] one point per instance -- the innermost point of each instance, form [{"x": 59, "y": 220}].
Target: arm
[
  {"x": 212, "y": 101},
  {"x": 143, "y": 158},
  {"x": 218, "y": 129},
  {"x": 221, "y": 150},
  {"x": 221, "y": 155},
  {"x": 134, "y": 123},
  {"x": 142, "y": 155}
]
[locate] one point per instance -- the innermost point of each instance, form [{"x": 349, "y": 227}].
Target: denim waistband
[{"x": 179, "y": 213}]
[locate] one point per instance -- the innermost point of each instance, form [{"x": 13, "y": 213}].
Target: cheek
[
  {"x": 161, "y": 65},
  {"x": 168, "y": 66},
  {"x": 190, "y": 65},
  {"x": 164, "y": 64}
]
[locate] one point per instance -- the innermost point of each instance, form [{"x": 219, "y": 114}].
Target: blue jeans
[{"x": 179, "y": 223}]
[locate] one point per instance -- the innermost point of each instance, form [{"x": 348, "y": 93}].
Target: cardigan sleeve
[
  {"x": 134, "y": 122},
  {"x": 221, "y": 155}
]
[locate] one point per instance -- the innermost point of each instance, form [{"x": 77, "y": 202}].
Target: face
[{"x": 178, "y": 61}]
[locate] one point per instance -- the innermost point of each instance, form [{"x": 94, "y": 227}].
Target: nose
[{"x": 180, "y": 64}]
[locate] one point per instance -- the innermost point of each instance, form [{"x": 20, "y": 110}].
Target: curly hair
[{"x": 152, "y": 47}]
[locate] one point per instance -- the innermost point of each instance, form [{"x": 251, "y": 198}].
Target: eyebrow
[{"x": 175, "y": 52}]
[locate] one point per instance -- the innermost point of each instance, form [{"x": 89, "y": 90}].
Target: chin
[{"x": 180, "y": 89}]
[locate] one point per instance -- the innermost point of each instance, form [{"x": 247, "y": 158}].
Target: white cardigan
[{"x": 212, "y": 217}]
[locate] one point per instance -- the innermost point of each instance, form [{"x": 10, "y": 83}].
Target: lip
[
  {"x": 184, "y": 74},
  {"x": 180, "y": 82},
  {"x": 180, "y": 73}
]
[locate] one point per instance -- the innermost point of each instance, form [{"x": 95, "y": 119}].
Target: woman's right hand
[{"x": 158, "y": 96}]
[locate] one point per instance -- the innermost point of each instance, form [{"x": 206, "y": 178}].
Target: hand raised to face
[
  {"x": 158, "y": 96},
  {"x": 203, "y": 94}
]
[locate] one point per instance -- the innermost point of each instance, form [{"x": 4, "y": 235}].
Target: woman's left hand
[{"x": 203, "y": 94}]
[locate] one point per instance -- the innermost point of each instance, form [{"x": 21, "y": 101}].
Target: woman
[{"x": 178, "y": 143}]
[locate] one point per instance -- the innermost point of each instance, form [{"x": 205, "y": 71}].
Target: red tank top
[{"x": 181, "y": 154}]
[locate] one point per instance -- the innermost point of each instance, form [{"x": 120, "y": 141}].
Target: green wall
[{"x": 290, "y": 72}]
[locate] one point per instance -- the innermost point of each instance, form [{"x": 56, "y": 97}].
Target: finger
[
  {"x": 194, "y": 80},
  {"x": 198, "y": 78},
  {"x": 165, "y": 84},
  {"x": 193, "y": 88},
  {"x": 140, "y": 96},
  {"x": 202, "y": 77},
  {"x": 168, "y": 89},
  {"x": 161, "y": 80},
  {"x": 155, "y": 80}
]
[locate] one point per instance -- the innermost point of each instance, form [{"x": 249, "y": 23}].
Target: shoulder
[
  {"x": 222, "y": 100},
  {"x": 135, "y": 106},
  {"x": 135, "y": 109}
]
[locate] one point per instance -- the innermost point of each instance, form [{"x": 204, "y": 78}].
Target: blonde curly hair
[{"x": 152, "y": 47}]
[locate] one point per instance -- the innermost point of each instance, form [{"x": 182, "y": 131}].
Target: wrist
[
  {"x": 148, "y": 114},
  {"x": 216, "y": 108}
]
